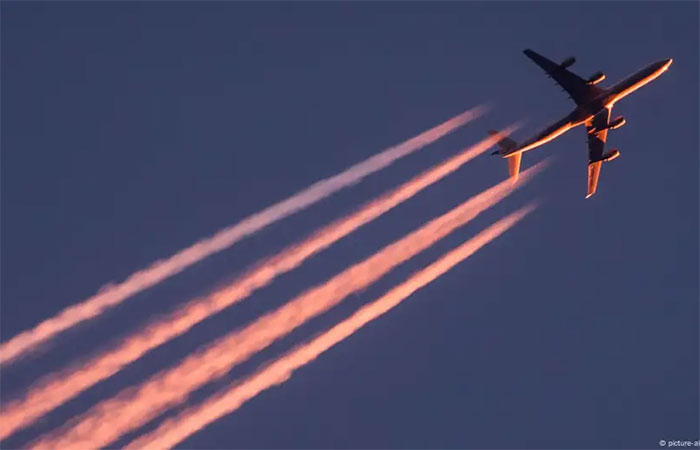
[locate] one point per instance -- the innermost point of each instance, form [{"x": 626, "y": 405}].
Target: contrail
[
  {"x": 57, "y": 388},
  {"x": 134, "y": 406},
  {"x": 112, "y": 294},
  {"x": 193, "y": 419}
]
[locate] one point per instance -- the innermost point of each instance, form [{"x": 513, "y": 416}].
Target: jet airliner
[{"x": 593, "y": 108}]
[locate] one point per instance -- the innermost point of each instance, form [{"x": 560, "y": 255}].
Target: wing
[
  {"x": 596, "y": 146},
  {"x": 577, "y": 88},
  {"x": 593, "y": 174}
]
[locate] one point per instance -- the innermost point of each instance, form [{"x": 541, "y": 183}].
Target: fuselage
[{"x": 606, "y": 99}]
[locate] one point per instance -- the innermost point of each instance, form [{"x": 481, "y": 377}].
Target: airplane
[{"x": 593, "y": 108}]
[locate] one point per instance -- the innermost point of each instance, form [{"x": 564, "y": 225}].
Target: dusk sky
[{"x": 131, "y": 130}]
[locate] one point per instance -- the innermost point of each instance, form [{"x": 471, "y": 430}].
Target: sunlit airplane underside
[{"x": 593, "y": 107}]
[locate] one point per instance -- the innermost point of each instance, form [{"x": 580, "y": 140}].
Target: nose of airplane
[{"x": 667, "y": 63}]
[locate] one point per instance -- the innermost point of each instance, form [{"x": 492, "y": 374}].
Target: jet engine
[
  {"x": 612, "y": 154},
  {"x": 568, "y": 62},
  {"x": 617, "y": 123},
  {"x": 596, "y": 78}
]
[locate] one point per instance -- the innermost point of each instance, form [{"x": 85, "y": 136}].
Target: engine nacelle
[
  {"x": 568, "y": 62},
  {"x": 596, "y": 78},
  {"x": 617, "y": 123},
  {"x": 612, "y": 154}
]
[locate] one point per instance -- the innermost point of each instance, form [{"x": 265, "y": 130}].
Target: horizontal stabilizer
[
  {"x": 507, "y": 145},
  {"x": 514, "y": 166},
  {"x": 504, "y": 142}
]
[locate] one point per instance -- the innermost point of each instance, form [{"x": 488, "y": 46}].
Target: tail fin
[{"x": 506, "y": 144}]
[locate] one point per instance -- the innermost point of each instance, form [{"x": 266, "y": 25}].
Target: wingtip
[{"x": 589, "y": 195}]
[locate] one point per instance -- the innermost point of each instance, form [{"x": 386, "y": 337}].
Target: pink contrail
[
  {"x": 57, "y": 388},
  {"x": 113, "y": 294},
  {"x": 134, "y": 406},
  {"x": 193, "y": 419}
]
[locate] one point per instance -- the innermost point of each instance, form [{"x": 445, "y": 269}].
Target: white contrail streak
[
  {"x": 135, "y": 406},
  {"x": 56, "y": 388},
  {"x": 195, "y": 418},
  {"x": 112, "y": 294}
]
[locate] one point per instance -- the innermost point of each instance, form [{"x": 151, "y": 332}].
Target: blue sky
[{"x": 131, "y": 130}]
